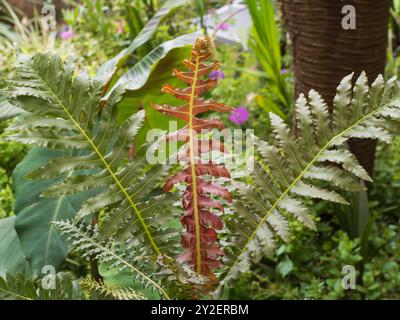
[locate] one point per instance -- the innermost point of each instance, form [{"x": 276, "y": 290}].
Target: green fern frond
[
  {"x": 88, "y": 242},
  {"x": 116, "y": 293},
  {"x": 64, "y": 113},
  {"x": 7, "y": 111},
  {"x": 18, "y": 287},
  {"x": 292, "y": 169}
]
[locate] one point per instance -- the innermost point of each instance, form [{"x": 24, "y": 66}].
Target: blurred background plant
[
  {"x": 393, "y": 59},
  {"x": 265, "y": 41}
]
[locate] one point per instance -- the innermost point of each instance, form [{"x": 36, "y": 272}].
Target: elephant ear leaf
[
  {"x": 147, "y": 76},
  {"x": 40, "y": 241},
  {"x": 12, "y": 259}
]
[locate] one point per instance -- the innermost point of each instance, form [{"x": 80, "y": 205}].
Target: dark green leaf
[{"x": 40, "y": 241}]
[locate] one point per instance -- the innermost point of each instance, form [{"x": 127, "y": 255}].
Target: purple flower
[
  {"x": 217, "y": 74},
  {"x": 67, "y": 34},
  {"x": 224, "y": 26},
  {"x": 239, "y": 116},
  {"x": 284, "y": 71}
]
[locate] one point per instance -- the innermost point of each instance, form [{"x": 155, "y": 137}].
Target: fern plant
[
  {"x": 291, "y": 169},
  {"x": 116, "y": 293},
  {"x": 88, "y": 241},
  {"x": 18, "y": 287},
  {"x": 67, "y": 110},
  {"x": 200, "y": 222},
  {"x": 63, "y": 113}
]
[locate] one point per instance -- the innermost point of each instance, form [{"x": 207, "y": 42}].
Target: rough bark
[
  {"x": 28, "y": 7},
  {"x": 323, "y": 52}
]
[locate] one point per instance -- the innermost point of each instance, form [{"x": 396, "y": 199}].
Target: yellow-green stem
[{"x": 193, "y": 169}]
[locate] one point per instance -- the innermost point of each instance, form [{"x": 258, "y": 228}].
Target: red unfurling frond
[{"x": 200, "y": 199}]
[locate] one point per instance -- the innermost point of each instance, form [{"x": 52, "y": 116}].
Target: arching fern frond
[
  {"x": 88, "y": 242},
  {"x": 116, "y": 293},
  {"x": 63, "y": 113},
  {"x": 7, "y": 110},
  {"x": 291, "y": 169}
]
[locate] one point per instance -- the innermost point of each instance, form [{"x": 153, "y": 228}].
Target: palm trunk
[{"x": 323, "y": 52}]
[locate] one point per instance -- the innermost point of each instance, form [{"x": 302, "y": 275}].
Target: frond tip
[
  {"x": 293, "y": 169},
  {"x": 116, "y": 293}
]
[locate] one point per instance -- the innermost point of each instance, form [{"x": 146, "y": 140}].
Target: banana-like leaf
[
  {"x": 153, "y": 119},
  {"x": 12, "y": 259},
  {"x": 108, "y": 69},
  {"x": 107, "y": 291},
  {"x": 149, "y": 74},
  {"x": 138, "y": 76},
  {"x": 64, "y": 114},
  {"x": 40, "y": 241},
  {"x": 292, "y": 168},
  {"x": 144, "y": 80}
]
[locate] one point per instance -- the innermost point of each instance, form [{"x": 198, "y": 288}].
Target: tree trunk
[
  {"x": 28, "y": 7},
  {"x": 324, "y": 52}
]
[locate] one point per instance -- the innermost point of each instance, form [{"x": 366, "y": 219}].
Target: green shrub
[{"x": 6, "y": 195}]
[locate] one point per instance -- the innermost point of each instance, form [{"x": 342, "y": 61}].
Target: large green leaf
[
  {"x": 108, "y": 69},
  {"x": 149, "y": 74},
  {"x": 163, "y": 58},
  {"x": 39, "y": 239},
  {"x": 153, "y": 118},
  {"x": 144, "y": 82},
  {"x": 11, "y": 258}
]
